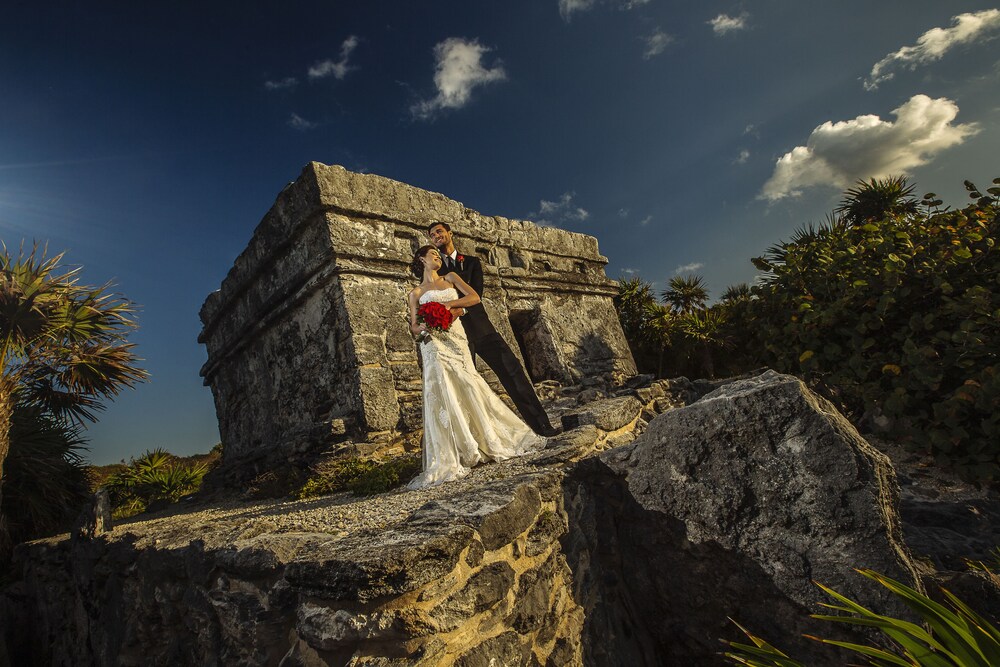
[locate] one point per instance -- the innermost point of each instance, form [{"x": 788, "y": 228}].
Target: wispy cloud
[
  {"x": 338, "y": 69},
  {"x": 458, "y": 71},
  {"x": 560, "y": 211},
  {"x": 723, "y": 24},
  {"x": 751, "y": 130},
  {"x": 569, "y": 7},
  {"x": 283, "y": 84},
  {"x": 645, "y": 221},
  {"x": 623, "y": 213},
  {"x": 742, "y": 157},
  {"x": 934, "y": 43},
  {"x": 838, "y": 154},
  {"x": 688, "y": 268},
  {"x": 299, "y": 123},
  {"x": 656, "y": 43}
]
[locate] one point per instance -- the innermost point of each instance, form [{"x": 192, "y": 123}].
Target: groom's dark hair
[{"x": 431, "y": 226}]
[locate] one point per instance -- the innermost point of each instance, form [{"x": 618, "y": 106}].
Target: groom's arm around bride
[{"x": 484, "y": 339}]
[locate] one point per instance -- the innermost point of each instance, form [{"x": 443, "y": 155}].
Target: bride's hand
[{"x": 420, "y": 328}]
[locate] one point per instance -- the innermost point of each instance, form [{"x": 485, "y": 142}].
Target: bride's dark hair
[{"x": 416, "y": 266}]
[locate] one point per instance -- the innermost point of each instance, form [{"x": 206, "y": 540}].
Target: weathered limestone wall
[
  {"x": 308, "y": 340},
  {"x": 474, "y": 579},
  {"x": 623, "y": 543}
]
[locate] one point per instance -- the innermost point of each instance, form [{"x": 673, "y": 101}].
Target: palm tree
[
  {"x": 705, "y": 328},
  {"x": 875, "y": 199},
  {"x": 686, "y": 294},
  {"x": 62, "y": 346},
  {"x": 660, "y": 326},
  {"x": 735, "y": 294}
]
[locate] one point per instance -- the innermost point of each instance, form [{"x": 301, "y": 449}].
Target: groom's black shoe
[{"x": 549, "y": 431}]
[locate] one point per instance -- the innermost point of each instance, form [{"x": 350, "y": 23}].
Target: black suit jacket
[{"x": 475, "y": 321}]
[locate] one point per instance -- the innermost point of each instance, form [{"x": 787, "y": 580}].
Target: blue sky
[{"x": 148, "y": 139}]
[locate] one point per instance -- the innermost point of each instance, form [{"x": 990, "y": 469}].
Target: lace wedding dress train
[{"x": 464, "y": 421}]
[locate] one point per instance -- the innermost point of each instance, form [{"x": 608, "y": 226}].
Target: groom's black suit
[{"x": 490, "y": 345}]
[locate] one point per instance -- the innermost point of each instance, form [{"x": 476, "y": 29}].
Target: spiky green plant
[
  {"x": 63, "y": 345},
  {"x": 156, "y": 476},
  {"x": 953, "y": 635},
  {"x": 46, "y": 481}
]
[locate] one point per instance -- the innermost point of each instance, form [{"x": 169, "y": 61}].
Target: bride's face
[{"x": 432, "y": 260}]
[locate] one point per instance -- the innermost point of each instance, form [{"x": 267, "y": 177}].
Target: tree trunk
[{"x": 6, "y": 410}]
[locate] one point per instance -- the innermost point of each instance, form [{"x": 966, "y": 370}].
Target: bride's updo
[{"x": 417, "y": 265}]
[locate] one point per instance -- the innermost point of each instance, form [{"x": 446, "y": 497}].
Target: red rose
[{"x": 435, "y": 315}]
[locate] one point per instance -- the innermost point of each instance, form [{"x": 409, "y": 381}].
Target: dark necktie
[{"x": 450, "y": 263}]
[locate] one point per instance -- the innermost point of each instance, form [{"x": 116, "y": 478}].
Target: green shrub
[
  {"x": 360, "y": 476},
  {"x": 386, "y": 476},
  {"x": 45, "y": 481},
  {"x": 155, "y": 477},
  {"x": 334, "y": 477},
  {"x": 896, "y": 315},
  {"x": 954, "y": 636}
]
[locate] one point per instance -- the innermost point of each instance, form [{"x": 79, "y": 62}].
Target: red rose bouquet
[{"x": 436, "y": 317}]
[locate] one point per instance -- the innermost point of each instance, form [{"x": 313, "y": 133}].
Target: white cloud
[
  {"x": 288, "y": 82},
  {"x": 838, "y": 154},
  {"x": 645, "y": 221},
  {"x": 299, "y": 123},
  {"x": 933, "y": 44},
  {"x": 724, "y": 24},
  {"x": 752, "y": 130},
  {"x": 338, "y": 69},
  {"x": 457, "y": 72},
  {"x": 742, "y": 157},
  {"x": 656, "y": 43},
  {"x": 623, "y": 212},
  {"x": 688, "y": 268},
  {"x": 560, "y": 211},
  {"x": 567, "y": 7}
]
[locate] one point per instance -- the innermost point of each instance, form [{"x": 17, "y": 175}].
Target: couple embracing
[{"x": 464, "y": 421}]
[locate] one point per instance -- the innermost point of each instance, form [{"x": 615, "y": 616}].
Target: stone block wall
[
  {"x": 308, "y": 340},
  {"x": 474, "y": 579}
]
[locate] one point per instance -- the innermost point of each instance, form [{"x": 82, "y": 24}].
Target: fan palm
[
  {"x": 62, "y": 345},
  {"x": 876, "y": 199},
  {"x": 686, "y": 294}
]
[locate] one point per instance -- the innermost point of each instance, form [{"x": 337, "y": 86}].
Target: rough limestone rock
[
  {"x": 308, "y": 339},
  {"x": 576, "y": 555},
  {"x": 729, "y": 507}
]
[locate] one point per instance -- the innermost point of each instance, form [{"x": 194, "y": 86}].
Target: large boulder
[{"x": 730, "y": 507}]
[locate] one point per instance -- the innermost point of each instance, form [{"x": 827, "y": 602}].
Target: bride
[{"x": 464, "y": 421}]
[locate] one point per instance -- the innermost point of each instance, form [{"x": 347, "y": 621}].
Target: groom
[{"x": 484, "y": 339}]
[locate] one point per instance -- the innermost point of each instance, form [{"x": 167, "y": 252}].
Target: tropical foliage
[
  {"x": 953, "y": 636},
  {"x": 155, "y": 479},
  {"x": 63, "y": 350},
  {"x": 46, "y": 476},
  {"x": 896, "y": 314},
  {"x": 362, "y": 477},
  {"x": 891, "y": 308}
]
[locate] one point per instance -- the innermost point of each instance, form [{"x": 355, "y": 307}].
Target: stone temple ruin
[{"x": 308, "y": 343}]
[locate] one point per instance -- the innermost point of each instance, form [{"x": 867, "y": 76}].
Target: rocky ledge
[{"x": 629, "y": 540}]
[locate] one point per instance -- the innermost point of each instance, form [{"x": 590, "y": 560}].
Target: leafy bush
[
  {"x": 361, "y": 477},
  {"x": 335, "y": 476},
  {"x": 957, "y": 636},
  {"x": 45, "y": 481},
  {"x": 386, "y": 476},
  {"x": 895, "y": 314},
  {"x": 156, "y": 477}
]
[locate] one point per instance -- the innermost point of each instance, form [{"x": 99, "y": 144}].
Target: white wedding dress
[{"x": 464, "y": 421}]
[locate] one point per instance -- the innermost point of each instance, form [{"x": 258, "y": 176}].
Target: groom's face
[{"x": 440, "y": 236}]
